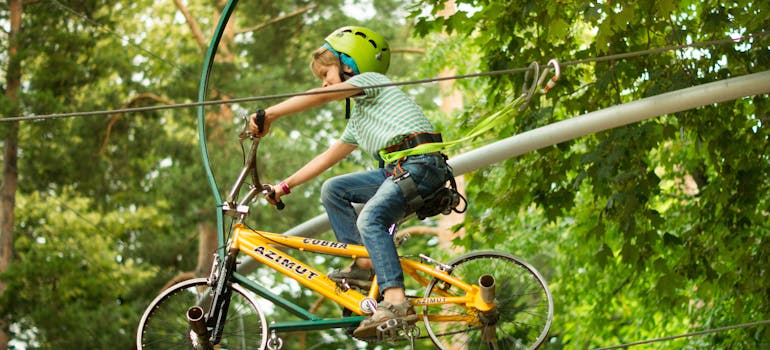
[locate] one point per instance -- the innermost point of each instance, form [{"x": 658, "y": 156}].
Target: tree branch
[
  {"x": 193, "y": 24},
  {"x": 413, "y": 50},
  {"x": 275, "y": 20}
]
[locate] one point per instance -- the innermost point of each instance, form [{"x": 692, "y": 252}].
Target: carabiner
[
  {"x": 551, "y": 82},
  {"x": 530, "y": 86}
]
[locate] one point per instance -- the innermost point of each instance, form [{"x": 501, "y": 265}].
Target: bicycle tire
[
  {"x": 524, "y": 306},
  {"x": 164, "y": 324}
]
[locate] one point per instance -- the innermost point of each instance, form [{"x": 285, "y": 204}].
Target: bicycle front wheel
[
  {"x": 164, "y": 324},
  {"x": 520, "y": 320}
]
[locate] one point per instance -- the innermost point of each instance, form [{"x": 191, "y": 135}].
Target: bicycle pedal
[
  {"x": 388, "y": 330},
  {"x": 397, "y": 330},
  {"x": 389, "y": 325}
]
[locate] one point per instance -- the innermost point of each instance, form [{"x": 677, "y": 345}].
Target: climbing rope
[{"x": 493, "y": 119}]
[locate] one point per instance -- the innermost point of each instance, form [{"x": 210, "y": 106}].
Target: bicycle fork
[{"x": 206, "y": 329}]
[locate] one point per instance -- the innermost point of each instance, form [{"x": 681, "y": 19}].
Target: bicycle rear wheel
[
  {"x": 164, "y": 324},
  {"x": 521, "y": 319}
]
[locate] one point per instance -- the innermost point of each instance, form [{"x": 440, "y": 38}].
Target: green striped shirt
[{"x": 382, "y": 116}]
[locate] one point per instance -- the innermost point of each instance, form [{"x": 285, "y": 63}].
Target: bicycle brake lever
[{"x": 259, "y": 120}]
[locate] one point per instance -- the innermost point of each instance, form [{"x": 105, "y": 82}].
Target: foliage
[
  {"x": 70, "y": 277},
  {"x": 647, "y": 230}
]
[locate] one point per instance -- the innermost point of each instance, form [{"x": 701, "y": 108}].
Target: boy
[{"x": 353, "y": 59}]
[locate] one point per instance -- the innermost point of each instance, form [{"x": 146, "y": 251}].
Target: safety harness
[{"x": 446, "y": 200}]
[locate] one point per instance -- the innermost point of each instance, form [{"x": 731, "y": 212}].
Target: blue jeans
[{"x": 384, "y": 206}]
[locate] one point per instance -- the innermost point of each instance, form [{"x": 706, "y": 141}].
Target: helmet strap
[
  {"x": 345, "y": 76},
  {"x": 347, "y": 108},
  {"x": 345, "y": 61}
]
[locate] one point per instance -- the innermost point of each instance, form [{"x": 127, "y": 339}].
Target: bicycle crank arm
[{"x": 199, "y": 335}]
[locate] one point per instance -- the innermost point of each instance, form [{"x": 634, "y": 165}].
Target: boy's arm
[
  {"x": 301, "y": 103},
  {"x": 335, "y": 153}
]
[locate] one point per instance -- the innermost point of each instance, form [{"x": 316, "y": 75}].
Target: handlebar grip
[
  {"x": 259, "y": 119},
  {"x": 271, "y": 193}
]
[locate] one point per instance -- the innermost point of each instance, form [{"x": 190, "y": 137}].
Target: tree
[
  {"x": 128, "y": 188},
  {"x": 76, "y": 60},
  {"x": 641, "y": 229},
  {"x": 10, "y": 154}
]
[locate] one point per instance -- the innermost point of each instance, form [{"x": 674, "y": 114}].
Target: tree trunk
[
  {"x": 10, "y": 157},
  {"x": 451, "y": 101}
]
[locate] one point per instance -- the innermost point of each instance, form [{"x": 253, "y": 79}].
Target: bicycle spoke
[
  {"x": 165, "y": 326},
  {"x": 520, "y": 320}
]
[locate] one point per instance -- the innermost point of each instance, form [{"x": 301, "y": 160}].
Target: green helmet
[{"x": 369, "y": 50}]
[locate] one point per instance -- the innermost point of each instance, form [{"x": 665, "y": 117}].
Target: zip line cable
[
  {"x": 716, "y": 42},
  {"x": 688, "y": 335}
]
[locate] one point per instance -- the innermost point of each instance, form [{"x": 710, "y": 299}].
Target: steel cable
[{"x": 762, "y": 34}]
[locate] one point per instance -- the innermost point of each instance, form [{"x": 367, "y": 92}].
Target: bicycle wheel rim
[
  {"x": 524, "y": 306},
  {"x": 164, "y": 324}
]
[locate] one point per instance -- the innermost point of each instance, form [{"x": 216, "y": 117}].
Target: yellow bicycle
[{"x": 481, "y": 300}]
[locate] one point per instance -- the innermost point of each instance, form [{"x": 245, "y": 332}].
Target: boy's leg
[
  {"x": 337, "y": 196},
  {"x": 380, "y": 212},
  {"x": 386, "y": 207}
]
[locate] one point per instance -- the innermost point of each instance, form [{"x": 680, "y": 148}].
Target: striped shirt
[{"x": 382, "y": 116}]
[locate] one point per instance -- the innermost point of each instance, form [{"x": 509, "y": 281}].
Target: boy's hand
[
  {"x": 259, "y": 124},
  {"x": 273, "y": 195}
]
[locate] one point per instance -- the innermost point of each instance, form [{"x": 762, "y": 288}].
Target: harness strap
[
  {"x": 487, "y": 122},
  {"x": 408, "y": 187},
  {"x": 409, "y": 142},
  {"x": 414, "y": 140}
]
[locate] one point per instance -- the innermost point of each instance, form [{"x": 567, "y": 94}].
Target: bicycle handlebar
[{"x": 250, "y": 168}]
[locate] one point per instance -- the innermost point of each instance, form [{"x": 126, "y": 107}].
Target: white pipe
[{"x": 615, "y": 116}]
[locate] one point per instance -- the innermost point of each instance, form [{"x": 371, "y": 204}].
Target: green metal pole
[{"x": 203, "y": 87}]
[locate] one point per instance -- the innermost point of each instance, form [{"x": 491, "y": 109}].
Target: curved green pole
[{"x": 203, "y": 87}]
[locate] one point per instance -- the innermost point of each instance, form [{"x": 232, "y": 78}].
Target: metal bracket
[
  {"x": 275, "y": 342},
  {"x": 439, "y": 265}
]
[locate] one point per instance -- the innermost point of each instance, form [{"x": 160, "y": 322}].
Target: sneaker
[
  {"x": 402, "y": 313},
  {"x": 354, "y": 276}
]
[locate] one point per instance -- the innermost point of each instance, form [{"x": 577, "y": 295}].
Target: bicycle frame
[{"x": 263, "y": 247}]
